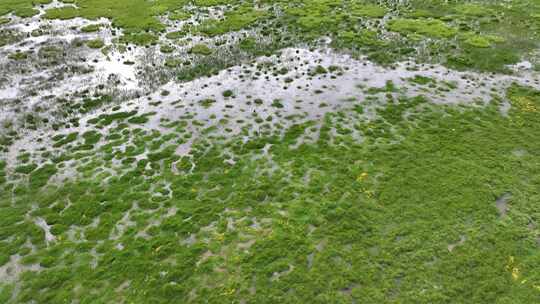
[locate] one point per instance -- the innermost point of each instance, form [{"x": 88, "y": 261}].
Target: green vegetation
[
  {"x": 235, "y": 20},
  {"x": 21, "y": 8},
  {"x": 200, "y": 49},
  {"x": 298, "y": 174},
  {"x": 40, "y": 176},
  {"x": 430, "y": 28},
  {"x": 228, "y": 93},
  {"x": 465, "y": 35},
  {"x": 95, "y": 43},
  {"x": 91, "y": 28},
  {"x": 207, "y": 103},
  {"x": 310, "y": 224},
  {"x": 63, "y": 13},
  {"x": 369, "y": 10},
  {"x": 18, "y": 56}
]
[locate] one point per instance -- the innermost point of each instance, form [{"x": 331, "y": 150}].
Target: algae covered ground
[{"x": 235, "y": 151}]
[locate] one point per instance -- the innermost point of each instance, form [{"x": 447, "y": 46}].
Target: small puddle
[
  {"x": 502, "y": 203},
  {"x": 49, "y": 237},
  {"x": 277, "y": 275},
  {"x": 461, "y": 241},
  {"x": 532, "y": 228}
]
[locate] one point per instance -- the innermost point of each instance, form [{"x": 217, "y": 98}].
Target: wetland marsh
[{"x": 236, "y": 151}]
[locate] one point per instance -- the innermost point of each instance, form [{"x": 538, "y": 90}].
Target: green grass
[
  {"x": 430, "y": 28},
  {"x": 18, "y": 56},
  {"x": 200, "y": 49},
  {"x": 382, "y": 229},
  {"x": 390, "y": 200},
  {"x": 479, "y": 36},
  {"x": 95, "y": 43},
  {"x": 238, "y": 19},
  {"x": 21, "y": 8},
  {"x": 91, "y": 28},
  {"x": 62, "y": 13}
]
